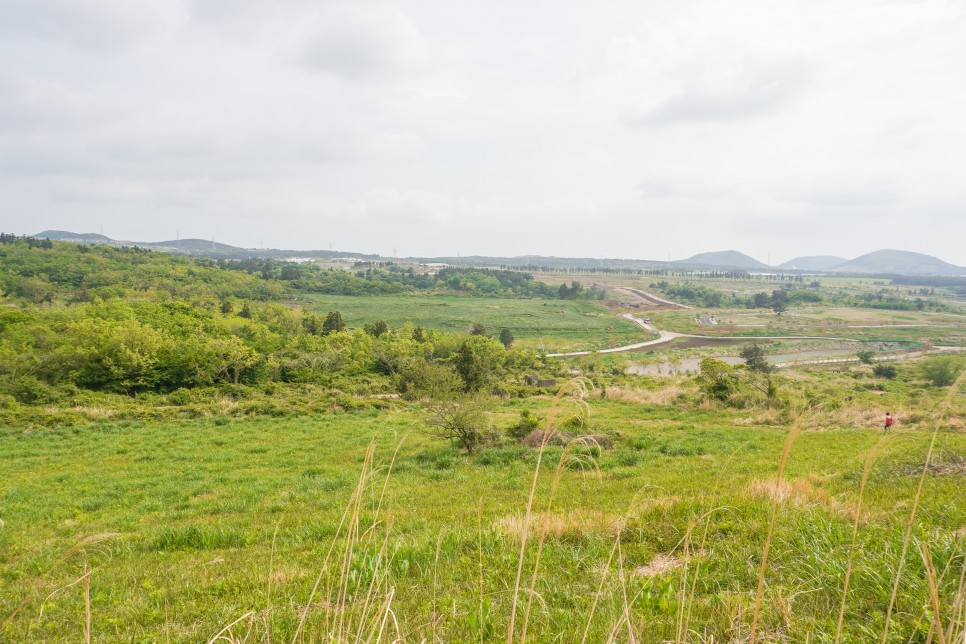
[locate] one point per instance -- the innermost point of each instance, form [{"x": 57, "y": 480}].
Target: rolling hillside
[
  {"x": 723, "y": 259},
  {"x": 899, "y": 262}
]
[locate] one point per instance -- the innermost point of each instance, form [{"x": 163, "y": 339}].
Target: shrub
[
  {"x": 462, "y": 418},
  {"x": 527, "y": 423},
  {"x": 941, "y": 371},
  {"x": 885, "y": 371}
]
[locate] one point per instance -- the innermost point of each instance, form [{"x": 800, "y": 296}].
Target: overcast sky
[{"x": 611, "y": 129}]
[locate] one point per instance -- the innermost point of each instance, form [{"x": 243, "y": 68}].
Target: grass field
[
  {"x": 204, "y": 522},
  {"x": 861, "y": 324},
  {"x": 554, "y": 325}
]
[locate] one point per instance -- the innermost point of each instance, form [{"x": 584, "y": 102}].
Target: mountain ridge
[{"x": 881, "y": 262}]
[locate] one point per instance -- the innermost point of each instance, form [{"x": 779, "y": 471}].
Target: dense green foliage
[
  {"x": 791, "y": 294},
  {"x": 130, "y": 347},
  {"x": 130, "y": 321},
  {"x": 385, "y": 278},
  {"x": 38, "y": 272}
]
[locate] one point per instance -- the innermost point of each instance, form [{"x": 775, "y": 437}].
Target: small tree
[
  {"x": 377, "y": 328},
  {"x": 887, "y": 371},
  {"x": 866, "y": 356},
  {"x": 527, "y": 423},
  {"x": 506, "y": 338},
  {"x": 469, "y": 365},
  {"x": 754, "y": 357},
  {"x": 941, "y": 371},
  {"x": 333, "y": 323},
  {"x": 478, "y": 329},
  {"x": 718, "y": 379},
  {"x": 461, "y": 418},
  {"x": 760, "y": 370}
]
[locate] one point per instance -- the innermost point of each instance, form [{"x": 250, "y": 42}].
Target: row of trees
[
  {"x": 781, "y": 299},
  {"x": 129, "y": 347}
]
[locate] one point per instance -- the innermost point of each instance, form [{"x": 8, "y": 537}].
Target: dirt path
[
  {"x": 667, "y": 336},
  {"x": 650, "y": 298}
]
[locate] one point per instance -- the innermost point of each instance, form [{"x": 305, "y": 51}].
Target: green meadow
[
  {"x": 172, "y": 531},
  {"x": 553, "y": 325},
  {"x": 193, "y": 451}
]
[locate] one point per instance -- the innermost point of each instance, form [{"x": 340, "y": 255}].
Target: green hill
[
  {"x": 722, "y": 259},
  {"x": 899, "y": 262},
  {"x": 77, "y": 238}
]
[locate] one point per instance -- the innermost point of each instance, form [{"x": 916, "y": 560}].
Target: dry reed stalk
[
  {"x": 349, "y": 523},
  {"x": 789, "y": 441},
  {"x": 271, "y": 565},
  {"x": 857, "y": 512},
  {"x": 479, "y": 523},
  {"x": 933, "y": 591},
  {"x": 940, "y": 414},
  {"x": 574, "y": 387},
  {"x": 684, "y": 615},
  {"x": 544, "y": 530},
  {"x": 959, "y": 610},
  {"x": 627, "y": 610},
  {"x": 220, "y": 635},
  {"x": 439, "y": 543},
  {"x": 78, "y": 547},
  {"x": 600, "y": 589},
  {"x": 87, "y": 604}
]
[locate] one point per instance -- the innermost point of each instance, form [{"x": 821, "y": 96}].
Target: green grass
[
  {"x": 554, "y": 325},
  {"x": 216, "y": 518},
  {"x": 880, "y": 326}
]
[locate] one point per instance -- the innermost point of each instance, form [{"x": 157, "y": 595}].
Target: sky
[{"x": 637, "y": 129}]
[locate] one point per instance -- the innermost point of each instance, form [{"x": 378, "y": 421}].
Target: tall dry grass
[
  {"x": 940, "y": 416},
  {"x": 574, "y": 391},
  {"x": 857, "y": 513},
  {"x": 786, "y": 450}
]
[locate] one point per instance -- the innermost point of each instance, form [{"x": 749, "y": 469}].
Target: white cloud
[
  {"x": 97, "y": 25},
  {"x": 359, "y": 42},
  {"x": 636, "y": 129}
]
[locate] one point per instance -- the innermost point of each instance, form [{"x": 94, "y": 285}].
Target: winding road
[{"x": 667, "y": 336}]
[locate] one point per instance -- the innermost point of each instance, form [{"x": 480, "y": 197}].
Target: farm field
[
  {"x": 193, "y": 525},
  {"x": 861, "y": 324},
  {"x": 554, "y": 325}
]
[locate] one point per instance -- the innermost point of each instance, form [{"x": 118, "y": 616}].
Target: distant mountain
[
  {"x": 200, "y": 247},
  {"x": 77, "y": 238},
  {"x": 193, "y": 246},
  {"x": 899, "y": 262},
  {"x": 813, "y": 263},
  {"x": 723, "y": 259},
  {"x": 881, "y": 262}
]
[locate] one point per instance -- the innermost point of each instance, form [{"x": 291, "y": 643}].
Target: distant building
[{"x": 534, "y": 381}]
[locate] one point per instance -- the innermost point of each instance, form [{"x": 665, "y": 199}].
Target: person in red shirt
[{"x": 888, "y": 421}]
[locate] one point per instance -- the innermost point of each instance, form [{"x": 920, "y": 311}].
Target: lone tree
[
  {"x": 333, "y": 323},
  {"x": 718, "y": 379},
  {"x": 462, "y": 418},
  {"x": 941, "y": 371},
  {"x": 506, "y": 337},
  {"x": 754, "y": 357},
  {"x": 478, "y": 329},
  {"x": 376, "y": 329},
  {"x": 469, "y": 365},
  {"x": 760, "y": 370},
  {"x": 779, "y": 301}
]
